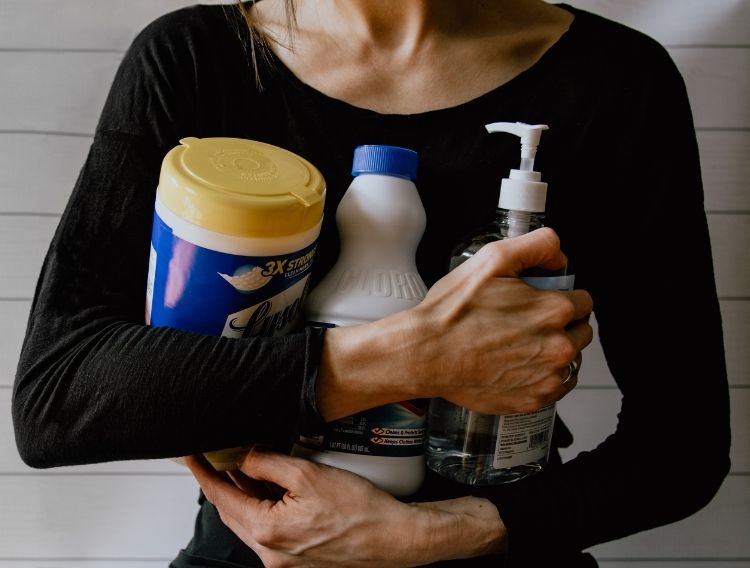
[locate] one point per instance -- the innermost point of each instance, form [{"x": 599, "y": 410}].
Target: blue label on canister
[{"x": 205, "y": 291}]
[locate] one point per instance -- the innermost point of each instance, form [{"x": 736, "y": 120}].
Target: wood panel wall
[{"x": 57, "y": 58}]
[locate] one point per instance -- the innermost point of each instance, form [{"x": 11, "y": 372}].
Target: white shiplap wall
[{"x": 57, "y": 58}]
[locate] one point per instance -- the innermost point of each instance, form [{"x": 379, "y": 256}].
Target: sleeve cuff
[{"x": 310, "y": 417}]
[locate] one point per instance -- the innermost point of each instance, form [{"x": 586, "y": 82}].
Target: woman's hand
[
  {"x": 482, "y": 338},
  {"x": 329, "y": 517},
  {"x": 496, "y": 344}
]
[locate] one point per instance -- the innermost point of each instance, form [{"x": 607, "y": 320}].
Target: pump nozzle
[
  {"x": 530, "y": 134},
  {"x": 523, "y": 190}
]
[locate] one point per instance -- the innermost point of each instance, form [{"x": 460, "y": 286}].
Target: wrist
[{"x": 365, "y": 366}]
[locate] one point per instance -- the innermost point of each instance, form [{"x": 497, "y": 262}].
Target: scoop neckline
[{"x": 278, "y": 68}]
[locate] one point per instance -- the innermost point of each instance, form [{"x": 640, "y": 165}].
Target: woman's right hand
[
  {"x": 495, "y": 344},
  {"x": 482, "y": 338},
  {"x": 328, "y": 517}
]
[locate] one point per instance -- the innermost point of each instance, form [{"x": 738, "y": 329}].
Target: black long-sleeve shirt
[{"x": 94, "y": 383}]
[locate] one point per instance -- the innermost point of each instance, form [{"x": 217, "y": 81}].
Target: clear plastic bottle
[
  {"x": 381, "y": 221},
  {"x": 483, "y": 449}
]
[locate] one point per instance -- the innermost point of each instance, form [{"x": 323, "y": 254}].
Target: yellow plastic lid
[{"x": 241, "y": 187}]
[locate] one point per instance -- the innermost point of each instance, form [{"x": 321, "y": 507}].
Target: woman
[{"x": 95, "y": 384}]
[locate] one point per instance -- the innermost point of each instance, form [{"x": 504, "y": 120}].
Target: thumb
[{"x": 510, "y": 257}]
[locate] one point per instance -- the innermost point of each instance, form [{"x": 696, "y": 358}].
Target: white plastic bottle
[
  {"x": 235, "y": 228},
  {"x": 482, "y": 449},
  {"x": 381, "y": 221}
]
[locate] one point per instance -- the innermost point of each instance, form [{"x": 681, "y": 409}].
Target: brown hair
[{"x": 258, "y": 40}]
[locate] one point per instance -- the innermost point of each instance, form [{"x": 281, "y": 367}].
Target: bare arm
[
  {"x": 328, "y": 517},
  {"x": 481, "y": 338}
]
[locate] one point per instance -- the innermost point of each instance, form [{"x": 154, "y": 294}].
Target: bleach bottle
[
  {"x": 380, "y": 221},
  {"x": 482, "y": 449},
  {"x": 234, "y": 234}
]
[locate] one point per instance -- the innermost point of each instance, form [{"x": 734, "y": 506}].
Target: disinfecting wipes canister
[{"x": 235, "y": 228}]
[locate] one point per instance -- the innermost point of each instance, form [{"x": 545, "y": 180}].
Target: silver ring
[{"x": 572, "y": 371}]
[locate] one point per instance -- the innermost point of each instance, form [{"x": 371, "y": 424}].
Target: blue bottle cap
[{"x": 386, "y": 160}]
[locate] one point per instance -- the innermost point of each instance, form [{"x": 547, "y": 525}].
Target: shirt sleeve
[
  {"x": 94, "y": 383},
  {"x": 660, "y": 328}
]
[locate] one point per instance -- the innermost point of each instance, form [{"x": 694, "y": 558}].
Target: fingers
[
  {"x": 289, "y": 472},
  {"x": 581, "y": 334},
  {"x": 259, "y": 489},
  {"x": 225, "y": 495},
  {"x": 510, "y": 257},
  {"x": 582, "y": 304},
  {"x": 554, "y": 387}
]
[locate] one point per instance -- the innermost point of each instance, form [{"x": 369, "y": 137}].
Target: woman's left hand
[{"x": 329, "y": 517}]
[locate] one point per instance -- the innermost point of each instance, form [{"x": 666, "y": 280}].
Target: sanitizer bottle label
[{"x": 523, "y": 438}]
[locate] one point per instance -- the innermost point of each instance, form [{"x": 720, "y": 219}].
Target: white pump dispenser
[
  {"x": 482, "y": 449},
  {"x": 523, "y": 190}
]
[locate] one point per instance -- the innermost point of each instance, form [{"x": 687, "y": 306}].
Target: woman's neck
[
  {"x": 392, "y": 25},
  {"x": 397, "y": 56}
]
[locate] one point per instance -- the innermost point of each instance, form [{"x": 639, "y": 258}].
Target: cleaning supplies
[
  {"x": 380, "y": 221},
  {"x": 234, "y": 235},
  {"x": 481, "y": 449}
]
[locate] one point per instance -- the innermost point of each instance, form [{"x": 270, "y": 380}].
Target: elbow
[
  {"x": 50, "y": 398},
  {"x": 31, "y": 436},
  {"x": 697, "y": 485},
  {"x": 34, "y": 456},
  {"x": 35, "y": 425},
  {"x": 711, "y": 480},
  {"x": 45, "y": 408},
  {"x": 707, "y": 466},
  {"x": 705, "y": 489}
]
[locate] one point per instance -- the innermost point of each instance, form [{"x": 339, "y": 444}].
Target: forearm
[
  {"x": 466, "y": 527},
  {"x": 648, "y": 472},
  {"x": 94, "y": 383},
  {"x": 604, "y": 495},
  {"x": 126, "y": 391},
  {"x": 330, "y": 517}
]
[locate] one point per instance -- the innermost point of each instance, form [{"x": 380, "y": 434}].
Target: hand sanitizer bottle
[
  {"x": 381, "y": 221},
  {"x": 482, "y": 449}
]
